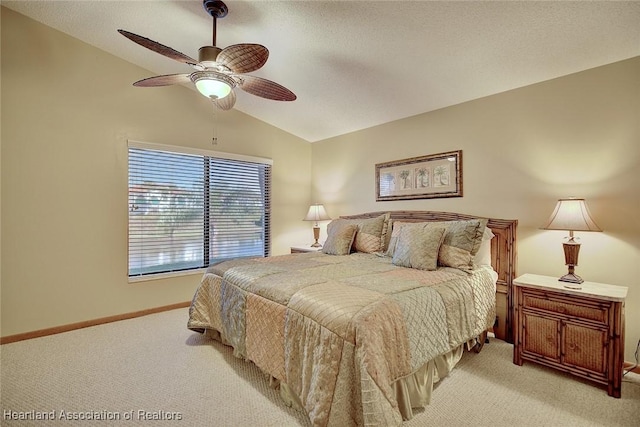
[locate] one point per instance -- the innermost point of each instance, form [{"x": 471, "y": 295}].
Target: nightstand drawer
[{"x": 594, "y": 311}]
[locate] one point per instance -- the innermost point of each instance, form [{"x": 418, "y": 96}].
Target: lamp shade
[
  {"x": 317, "y": 213},
  {"x": 571, "y": 214}
]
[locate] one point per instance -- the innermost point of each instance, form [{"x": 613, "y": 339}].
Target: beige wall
[
  {"x": 68, "y": 110},
  {"x": 522, "y": 150}
]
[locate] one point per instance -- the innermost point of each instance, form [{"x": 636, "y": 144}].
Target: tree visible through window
[{"x": 187, "y": 211}]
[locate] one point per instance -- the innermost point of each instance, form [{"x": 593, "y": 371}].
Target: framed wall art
[{"x": 425, "y": 177}]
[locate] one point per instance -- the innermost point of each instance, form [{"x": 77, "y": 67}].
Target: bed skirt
[{"x": 412, "y": 391}]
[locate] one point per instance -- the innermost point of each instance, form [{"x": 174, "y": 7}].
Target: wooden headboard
[{"x": 503, "y": 257}]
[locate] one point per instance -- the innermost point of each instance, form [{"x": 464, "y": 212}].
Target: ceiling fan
[{"x": 218, "y": 71}]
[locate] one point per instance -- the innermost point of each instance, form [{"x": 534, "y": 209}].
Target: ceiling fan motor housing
[{"x": 207, "y": 56}]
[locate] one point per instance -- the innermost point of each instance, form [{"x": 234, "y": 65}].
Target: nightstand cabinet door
[
  {"x": 585, "y": 347},
  {"x": 541, "y": 338}
]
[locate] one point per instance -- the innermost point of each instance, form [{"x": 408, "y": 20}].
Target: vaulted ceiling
[{"x": 357, "y": 64}]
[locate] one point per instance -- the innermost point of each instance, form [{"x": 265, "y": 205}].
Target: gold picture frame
[{"x": 425, "y": 177}]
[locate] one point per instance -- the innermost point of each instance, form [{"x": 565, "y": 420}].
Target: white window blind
[{"x": 189, "y": 210}]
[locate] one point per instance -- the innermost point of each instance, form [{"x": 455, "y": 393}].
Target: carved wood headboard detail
[{"x": 503, "y": 257}]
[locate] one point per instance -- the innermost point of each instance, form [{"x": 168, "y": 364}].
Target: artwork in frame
[{"x": 424, "y": 177}]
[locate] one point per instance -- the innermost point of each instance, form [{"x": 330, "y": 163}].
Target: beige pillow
[
  {"x": 418, "y": 247},
  {"x": 386, "y": 232},
  {"x": 483, "y": 256},
  {"x": 369, "y": 236},
  {"x": 397, "y": 227},
  {"x": 386, "y": 236},
  {"x": 461, "y": 242},
  {"x": 464, "y": 234},
  {"x": 340, "y": 235}
]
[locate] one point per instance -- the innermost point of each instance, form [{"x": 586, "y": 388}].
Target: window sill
[{"x": 160, "y": 276}]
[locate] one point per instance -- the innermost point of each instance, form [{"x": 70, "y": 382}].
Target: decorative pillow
[
  {"x": 450, "y": 256},
  {"x": 418, "y": 247},
  {"x": 396, "y": 227},
  {"x": 369, "y": 236},
  {"x": 340, "y": 235},
  {"x": 461, "y": 241},
  {"x": 483, "y": 256},
  {"x": 386, "y": 232},
  {"x": 464, "y": 234}
]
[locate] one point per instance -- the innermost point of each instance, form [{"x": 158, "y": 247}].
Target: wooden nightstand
[
  {"x": 576, "y": 331},
  {"x": 304, "y": 248}
]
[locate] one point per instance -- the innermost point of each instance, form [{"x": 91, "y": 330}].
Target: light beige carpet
[{"x": 139, "y": 370}]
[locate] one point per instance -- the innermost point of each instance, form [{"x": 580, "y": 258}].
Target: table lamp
[
  {"x": 571, "y": 214},
  {"x": 316, "y": 213}
]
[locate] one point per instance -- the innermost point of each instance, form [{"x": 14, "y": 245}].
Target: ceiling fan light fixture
[{"x": 212, "y": 84}]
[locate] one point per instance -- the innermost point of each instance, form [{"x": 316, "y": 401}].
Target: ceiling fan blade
[
  {"x": 227, "y": 102},
  {"x": 165, "y": 80},
  {"x": 264, "y": 88},
  {"x": 243, "y": 58},
  {"x": 159, "y": 48}
]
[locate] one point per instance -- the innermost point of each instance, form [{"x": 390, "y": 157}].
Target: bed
[{"x": 358, "y": 334}]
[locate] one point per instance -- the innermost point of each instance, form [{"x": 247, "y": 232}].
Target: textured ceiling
[{"x": 357, "y": 64}]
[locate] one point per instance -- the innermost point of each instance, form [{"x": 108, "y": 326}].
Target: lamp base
[
  {"x": 573, "y": 281},
  {"x": 571, "y": 251},
  {"x": 316, "y": 236}
]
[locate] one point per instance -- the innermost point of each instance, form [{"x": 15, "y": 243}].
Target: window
[{"x": 190, "y": 208}]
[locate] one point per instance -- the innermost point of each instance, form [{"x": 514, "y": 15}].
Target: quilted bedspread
[{"x": 340, "y": 330}]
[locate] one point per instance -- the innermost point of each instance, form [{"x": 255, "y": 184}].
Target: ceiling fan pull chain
[{"x": 214, "y": 137}]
